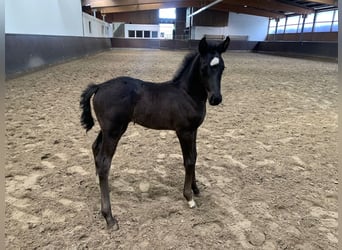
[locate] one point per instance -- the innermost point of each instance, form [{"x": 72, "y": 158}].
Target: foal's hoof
[
  {"x": 113, "y": 225},
  {"x": 192, "y": 204}
]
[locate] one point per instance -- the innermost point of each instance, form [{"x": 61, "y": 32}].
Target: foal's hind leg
[
  {"x": 96, "y": 145},
  {"x": 187, "y": 140},
  {"x": 103, "y": 161}
]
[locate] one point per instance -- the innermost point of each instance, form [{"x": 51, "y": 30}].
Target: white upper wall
[
  {"x": 197, "y": 32},
  {"x": 64, "y": 17},
  {"x": 44, "y": 17},
  {"x": 255, "y": 27},
  {"x": 94, "y": 27}
]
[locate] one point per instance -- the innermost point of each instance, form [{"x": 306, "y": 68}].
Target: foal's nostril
[{"x": 215, "y": 100}]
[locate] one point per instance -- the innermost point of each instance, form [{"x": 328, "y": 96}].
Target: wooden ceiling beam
[
  {"x": 328, "y": 2},
  {"x": 249, "y": 10},
  {"x": 151, "y": 6},
  {"x": 224, "y": 8},
  {"x": 268, "y": 8},
  {"x": 119, "y": 3},
  {"x": 270, "y": 5}
]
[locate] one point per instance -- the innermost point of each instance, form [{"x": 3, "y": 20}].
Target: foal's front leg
[{"x": 187, "y": 140}]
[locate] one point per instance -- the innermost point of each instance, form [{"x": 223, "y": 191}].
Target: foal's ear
[
  {"x": 203, "y": 45},
  {"x": 222, "y": 47}
]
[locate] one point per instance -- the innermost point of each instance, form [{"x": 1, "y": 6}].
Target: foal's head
[{"x": 211, "y": 68}]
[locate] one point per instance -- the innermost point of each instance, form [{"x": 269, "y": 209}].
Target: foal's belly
[{"x": 168, "y": 113}]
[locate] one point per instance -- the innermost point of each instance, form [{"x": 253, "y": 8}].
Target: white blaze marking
[
  {"x": 192, "y": 204},
  {"x": 214, "y": 61}
]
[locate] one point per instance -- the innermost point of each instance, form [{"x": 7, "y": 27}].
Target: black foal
[{"x": 179, "y": 105}]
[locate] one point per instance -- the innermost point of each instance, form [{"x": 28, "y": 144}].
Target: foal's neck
[{"x": 191, "y": 82}]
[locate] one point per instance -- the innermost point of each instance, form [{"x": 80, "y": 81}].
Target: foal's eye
[
  {"x": 214, "y": 67},
  {"x": 218, "y": 67}
]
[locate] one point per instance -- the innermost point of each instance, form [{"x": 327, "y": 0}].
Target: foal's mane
[{"x": 184, "y": 66}]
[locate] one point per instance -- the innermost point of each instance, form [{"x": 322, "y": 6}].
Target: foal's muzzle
[{"x": 215, "y": 100}]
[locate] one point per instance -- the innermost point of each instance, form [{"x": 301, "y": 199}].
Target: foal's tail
[{"x": 87, "y": 120}]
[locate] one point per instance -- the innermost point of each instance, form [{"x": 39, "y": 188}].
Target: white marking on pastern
[{"x": 192, "y": 204}]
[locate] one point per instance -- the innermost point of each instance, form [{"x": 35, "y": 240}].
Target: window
[
  {"x": 300, "y": 24},
  {"x": 89, "y": 27},
  {"x": 131, "y": 33},
  {"x": 323, "y": 21},
  {"x": 281, "y": 26},
  {"x": 292, "y": 24},
  {"x": 335, "y": 22},
  {"x": 139, "y": 33},
  {"x": 147, "y": 34},
  {"x": 169, "y": 13},
  {"x": 272, "y": 26},
  {"x": 309, "y": 20},
  {"x": 142, "y": 34}
]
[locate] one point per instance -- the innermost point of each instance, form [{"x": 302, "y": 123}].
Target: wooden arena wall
[
  {"x": 24, "y": 53},
  {"x": 175, "y": 44},
  {"x": 327, "y": 50}
]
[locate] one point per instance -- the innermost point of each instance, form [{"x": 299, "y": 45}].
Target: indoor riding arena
[{"x": 267, "y": 161}]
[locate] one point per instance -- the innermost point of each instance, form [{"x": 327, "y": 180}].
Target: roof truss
[{"x": 267, "y": 8}]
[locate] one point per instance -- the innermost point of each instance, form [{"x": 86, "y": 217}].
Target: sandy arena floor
[{"x": 267, "y": 160}]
